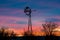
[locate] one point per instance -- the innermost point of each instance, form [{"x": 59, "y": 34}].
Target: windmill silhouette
[{"x": 28, "y": 11}]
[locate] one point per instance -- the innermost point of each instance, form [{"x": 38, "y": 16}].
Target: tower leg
[{"x": 29, "y": 25}]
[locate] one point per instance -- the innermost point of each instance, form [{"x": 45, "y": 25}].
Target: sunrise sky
[{"x": 12, "y": 13}]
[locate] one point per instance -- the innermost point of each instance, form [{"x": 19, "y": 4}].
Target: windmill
[{"x": 28, "y": 11}]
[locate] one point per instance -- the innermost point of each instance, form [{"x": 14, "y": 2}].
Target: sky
[{"x": 12, "y": 13}]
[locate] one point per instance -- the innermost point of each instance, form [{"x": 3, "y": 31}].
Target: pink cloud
[
  {"x": 6, "y": 21},
  {"x": 19, "y": 28}
]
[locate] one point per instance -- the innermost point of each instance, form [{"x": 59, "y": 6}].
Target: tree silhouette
[
  {"x": 49, "y": 27},
  {"x": 12, "y": 34},
  {"x": 5, "y": 33}
]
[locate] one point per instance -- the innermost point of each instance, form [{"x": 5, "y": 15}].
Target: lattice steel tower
[{"x": 28, "y": 11}]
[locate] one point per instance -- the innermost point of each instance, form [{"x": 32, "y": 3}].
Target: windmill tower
[{"x": 28, "y": 11}]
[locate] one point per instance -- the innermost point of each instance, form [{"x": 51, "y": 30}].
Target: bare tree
[
  {"x": 5, "y": 33},
  {"x": 49, "y": 27},
  {"x": 13, "y": 34}
]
